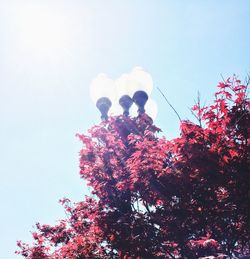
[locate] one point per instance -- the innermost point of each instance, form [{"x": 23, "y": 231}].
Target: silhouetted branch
[{"x": 169, "y": 103}]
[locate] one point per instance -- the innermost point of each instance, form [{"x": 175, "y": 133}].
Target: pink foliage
[{"x": 157, "y": 198}]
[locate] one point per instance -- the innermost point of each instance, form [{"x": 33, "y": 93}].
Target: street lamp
[
  {"x": 103, "y": 104},
  {"x": 129, "y": 90},
  {"x": 134, "y": 88},
  {"x": 102, "y": 91},
  {"x": 140, "y": 98},
  {"x": 126, "y": 102}
]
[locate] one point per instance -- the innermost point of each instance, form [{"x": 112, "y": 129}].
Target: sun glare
[{"x": 40, "y": 29}]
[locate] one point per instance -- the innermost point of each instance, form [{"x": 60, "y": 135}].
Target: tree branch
[{"x": 169, "y": 103}]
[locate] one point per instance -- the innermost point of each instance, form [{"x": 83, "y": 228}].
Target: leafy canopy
[{"x": 155, "y": 198}]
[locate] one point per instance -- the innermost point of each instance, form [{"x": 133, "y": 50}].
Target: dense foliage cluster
[{"x": 155, "y": 198}]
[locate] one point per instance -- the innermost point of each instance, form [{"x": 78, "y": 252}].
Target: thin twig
[
  {"x": 247, "y": 79},
  {"x": 197, "y": 118},
  {"x": 169, "y": 103},
  {"x": 223, "y": 78},
  {"x": 199, "y": 104}
]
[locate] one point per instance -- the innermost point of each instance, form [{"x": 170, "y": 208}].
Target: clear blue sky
[{"x": 51, "y": 50}]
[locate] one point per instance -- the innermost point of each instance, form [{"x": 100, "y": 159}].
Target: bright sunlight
[{"x": 41, "y": 31}]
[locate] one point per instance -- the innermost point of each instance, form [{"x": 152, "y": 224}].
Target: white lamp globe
[
  {"x": 136, "y": 80},
  {"x": 151, "y": 108},
  {"x": 143, "y": 80},
  {"x": 102, "y": 86}
]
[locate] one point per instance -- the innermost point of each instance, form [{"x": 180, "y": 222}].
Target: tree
[{"x": 155, "y": 198}]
